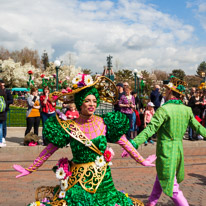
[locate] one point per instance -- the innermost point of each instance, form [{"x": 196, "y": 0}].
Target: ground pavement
[{"x": 129, "y": 176}]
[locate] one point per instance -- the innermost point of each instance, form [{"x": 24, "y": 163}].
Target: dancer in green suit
[{"x": 170, "y": 123}]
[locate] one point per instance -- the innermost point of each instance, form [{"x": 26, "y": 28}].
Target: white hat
[{"x": 150, "y": 104}]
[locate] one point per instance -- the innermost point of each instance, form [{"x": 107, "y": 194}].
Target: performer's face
[{"x": 89, "y": 105}]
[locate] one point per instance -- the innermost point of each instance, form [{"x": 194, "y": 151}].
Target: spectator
[
  {"x": 192, "y": 93},
  {"x": 195, "y": 103},
  {"x": 156, "y": 97},
  {"x": 149, "y": 112},
  {"x": 9, "y": 101},
  {"x": 64, "y": 108},
  {"x": 3, "y": 108},
  {"x": 33, "y": 112},
  {"x": 72, "y": 112},
  {"x": 125, "y": 84},
  {"x": 127, "y": 104},
  {"x": 120, "y": 89},
  {"x": 48, "y": 108}
]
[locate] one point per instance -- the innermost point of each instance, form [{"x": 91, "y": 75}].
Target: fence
[{"x": 16, "y": 117}]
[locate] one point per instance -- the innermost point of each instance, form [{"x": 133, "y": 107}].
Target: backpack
[{"x": 2, "y": 104}]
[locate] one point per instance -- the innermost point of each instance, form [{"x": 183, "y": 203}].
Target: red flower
[
  {"x": 68, "y": 89},
  {"x": 43, "y": 75},
  {"x": 30, "y": 72},
  {"x": 107, "y": 155},
  {"x": 60, "y": 82}
]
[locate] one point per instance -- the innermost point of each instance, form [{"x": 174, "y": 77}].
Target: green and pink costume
[{"x": 170, "y": 123}]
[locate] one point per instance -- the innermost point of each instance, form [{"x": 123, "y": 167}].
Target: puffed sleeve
[
  {"x": 117, "y": 125},
  {"x": 54, "y": 133}
]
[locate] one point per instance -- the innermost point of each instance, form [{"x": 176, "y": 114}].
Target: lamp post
[
  {"x": 204, "y": 76},
  {"x": 57, "y": 64},
  {"x": 135, "y": 79}
]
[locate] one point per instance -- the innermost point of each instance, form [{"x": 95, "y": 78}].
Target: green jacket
[{"x": 170, "y": 123}]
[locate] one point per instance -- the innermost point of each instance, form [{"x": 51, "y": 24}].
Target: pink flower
[
  {"x": 62, "y": 162},
  {"x": 64, "y": 91},
  {"x": 67, "y": 78},
  {"x": 54, "y": 97},
  {"x": 54, "y": 75}
]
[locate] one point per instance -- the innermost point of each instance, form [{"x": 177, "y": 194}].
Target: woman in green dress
[{"x": 86, "y": 179}]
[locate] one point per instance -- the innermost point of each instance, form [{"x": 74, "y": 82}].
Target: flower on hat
[
  {"x": 77, "y": 79},
  {"x": 88, "y": 80},
  {"x": 170, "y": 85},
  {"x": 181, "y": 88}
]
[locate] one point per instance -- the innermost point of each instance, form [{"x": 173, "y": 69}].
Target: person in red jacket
[
  {"x": 48, "y": 108},
  {"x": 72, "y": 113}
]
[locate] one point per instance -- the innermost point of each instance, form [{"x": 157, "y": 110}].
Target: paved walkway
[{"x": 129, "y": 176}]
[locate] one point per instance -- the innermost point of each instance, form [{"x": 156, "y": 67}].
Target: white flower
[
  {"x": 100, "y": 162},
  {"x": 77, "y": 79},
  {"x": 110, "y": 163},
  {"x": 60, "y": 174},
  {"x": 88, "y": 143},
  {"x": 62, "y": 194},
  {"x": 170, "y": 85},
  {"x": 33, "y": 204},
  {"x": 88, "y": 80},
  {"x": 64, "y": 184}
]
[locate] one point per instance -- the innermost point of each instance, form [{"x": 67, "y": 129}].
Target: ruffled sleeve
[
  {"x": 117, "y": 125},
  {"x": 54, "y": 133}
]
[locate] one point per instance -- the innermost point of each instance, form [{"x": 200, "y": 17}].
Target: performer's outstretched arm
[
  {"x": 38, "y": 162},
  {"x": 134, "y": 153}
]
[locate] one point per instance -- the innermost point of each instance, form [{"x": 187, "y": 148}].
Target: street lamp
[
  {"x": 135, "y": 79},
  {"x": 57, "y": 64},
  {"x": 204, "y": 76}
]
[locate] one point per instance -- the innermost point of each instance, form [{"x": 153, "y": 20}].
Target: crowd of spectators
[{"x": 140, "y": 114}]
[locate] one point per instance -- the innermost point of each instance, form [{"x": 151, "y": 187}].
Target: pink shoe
[
  {"x": 2, "y": 145},
  {"x": 32, "y": 143}
]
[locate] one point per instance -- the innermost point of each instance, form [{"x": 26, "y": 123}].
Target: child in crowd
[
  {"x": 72, "y": 112},
  {"x": 149, "y": 112}
]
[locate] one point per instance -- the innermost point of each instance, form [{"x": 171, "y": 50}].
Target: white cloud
[{"x": 135, "y": 34}]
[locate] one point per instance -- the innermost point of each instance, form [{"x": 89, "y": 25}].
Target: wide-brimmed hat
[
  {"x": 176, "y": 85},
  {"x": 105, "y": 87}
]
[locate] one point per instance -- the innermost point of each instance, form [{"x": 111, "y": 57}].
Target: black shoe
[{"x": 191, "y": 139}]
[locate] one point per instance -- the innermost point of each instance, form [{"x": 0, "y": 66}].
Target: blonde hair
[{"x": 72, "y": 105}]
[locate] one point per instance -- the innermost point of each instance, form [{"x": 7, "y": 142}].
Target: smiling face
[{"x": 89, "y": 105}]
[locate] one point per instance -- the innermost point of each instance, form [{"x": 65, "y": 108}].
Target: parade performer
[
  {"x": 170, "y": 123},
  {"x": 86, "y": 179}
]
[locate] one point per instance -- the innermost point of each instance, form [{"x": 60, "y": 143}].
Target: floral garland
[{"x": 62, "y": 171}]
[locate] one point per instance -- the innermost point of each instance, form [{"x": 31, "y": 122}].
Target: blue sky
[{"x": 139, "y": 34}]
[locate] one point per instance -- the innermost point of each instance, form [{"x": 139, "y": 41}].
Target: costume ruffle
[
  {"x": 117, "y": 125},
  {"x": 54, "y": 133}
]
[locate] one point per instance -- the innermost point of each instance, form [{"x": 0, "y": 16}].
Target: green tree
[
  {"x": 179, "y": 73},
  {"x": 45, "y": 60},
  {"x": 201, "y": 68}
]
